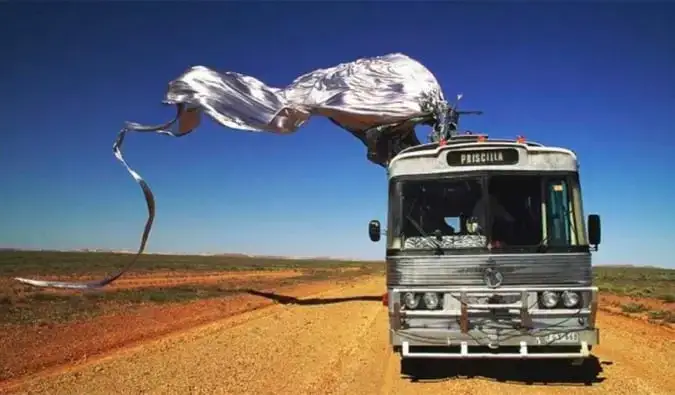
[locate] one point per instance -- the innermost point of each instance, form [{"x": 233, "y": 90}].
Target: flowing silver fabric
[{"x": 357, "y": 96}]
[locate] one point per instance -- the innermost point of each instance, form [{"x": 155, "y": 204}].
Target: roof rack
[{"x": 467, "y": 138}]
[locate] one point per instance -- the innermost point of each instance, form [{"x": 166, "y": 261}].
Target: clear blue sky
[{"x": 599, "y": 79}]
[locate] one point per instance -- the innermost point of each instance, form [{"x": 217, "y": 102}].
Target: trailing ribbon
[{"x": 149, "y": 200}]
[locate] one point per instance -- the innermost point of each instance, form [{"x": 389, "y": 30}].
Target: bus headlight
[
  {"x": 431, "y": 300},
  {"x": 411, "y": 300},
  {"x": 549, "y": 299},
  {"x": 570, "y": 299}
]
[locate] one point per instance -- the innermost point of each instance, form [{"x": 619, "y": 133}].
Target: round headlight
[
  {"x": 411, "y": 300},
  {"x": 431, "y": 300},
  {"x": 549, "y": 299},
  {"x": 570, "y": 299}
]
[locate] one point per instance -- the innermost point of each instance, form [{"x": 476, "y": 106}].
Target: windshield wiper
[
  {"x": 543, "y": 244},
  {"x": 425, "y": 236}
]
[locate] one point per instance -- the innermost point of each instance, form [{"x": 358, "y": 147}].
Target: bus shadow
[
  {"x": 283, "y": 299},
  {"x": 541, "y": 372}
]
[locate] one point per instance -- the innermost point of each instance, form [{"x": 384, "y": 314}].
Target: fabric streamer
[
  {"x": 149, "y": 199},
  {"x": 382, "y": 94}
]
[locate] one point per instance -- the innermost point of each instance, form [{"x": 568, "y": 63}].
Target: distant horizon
[
  {"x": 244, "y": 254},
  {"x": 289, "y": 257}
]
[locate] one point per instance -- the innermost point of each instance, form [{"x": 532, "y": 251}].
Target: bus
[{"x": 488, "y": 253}]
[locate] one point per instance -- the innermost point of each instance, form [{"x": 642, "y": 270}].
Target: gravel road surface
[{"x": 336, "y": 342}]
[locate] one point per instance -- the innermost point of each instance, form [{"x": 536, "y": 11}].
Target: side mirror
[
  {"x": 374, "y": 230},
  {"x": 594, "y": 229}
]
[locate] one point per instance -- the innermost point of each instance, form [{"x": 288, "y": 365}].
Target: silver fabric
[{"x": 356, "y": 95}]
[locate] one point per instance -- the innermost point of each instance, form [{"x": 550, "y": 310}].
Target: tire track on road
[{"x": 355, "y": 361}]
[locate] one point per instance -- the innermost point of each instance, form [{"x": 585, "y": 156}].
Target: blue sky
[{"x": 598, "y": 79}]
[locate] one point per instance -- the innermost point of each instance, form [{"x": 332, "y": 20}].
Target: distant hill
[
  {"x": 225, "y": 254},
  {"x": 618, "y": 266}
]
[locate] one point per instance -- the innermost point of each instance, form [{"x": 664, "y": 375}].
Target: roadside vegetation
[
  {"x": 646, "y": 291},
  {"x": 68, "y": 264},
  {"x": 644, "y": 282},
  {"x": 24, "y": 304}
]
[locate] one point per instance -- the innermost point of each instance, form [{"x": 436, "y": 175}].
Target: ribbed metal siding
[{"x": 521, "y": 269}]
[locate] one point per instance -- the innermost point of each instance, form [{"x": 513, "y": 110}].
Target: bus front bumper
[
  {"x": 475, "y": 344},
  {"x": 463, "y": 329}
]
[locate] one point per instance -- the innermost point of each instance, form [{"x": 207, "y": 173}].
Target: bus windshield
[{"x": 499, "y": 211}]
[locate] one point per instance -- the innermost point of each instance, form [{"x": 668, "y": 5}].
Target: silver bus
[{"x": 488, "y": 253}]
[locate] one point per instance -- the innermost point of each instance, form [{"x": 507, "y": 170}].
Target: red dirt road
[
  {"x": 31, "y": 349},
  {"x": 335, "y": 340}
]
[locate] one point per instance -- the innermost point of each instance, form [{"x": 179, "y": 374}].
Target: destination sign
[{"x": 483, "y": 157}]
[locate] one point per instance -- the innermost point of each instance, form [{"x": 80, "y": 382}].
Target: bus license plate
[{"x": 571, "y": 337}]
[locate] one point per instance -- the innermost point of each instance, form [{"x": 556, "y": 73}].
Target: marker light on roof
[
  {"x": 481, "y": 138},
  {"x": 442, "y": 142},
  {"x": 521, "y": 139}
]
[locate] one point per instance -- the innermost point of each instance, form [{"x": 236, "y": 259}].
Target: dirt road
[{"x": 337, "y": 343}]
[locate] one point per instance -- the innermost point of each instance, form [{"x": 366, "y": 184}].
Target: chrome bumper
[
  {"x": 451, "y": 327},
  {"x": 523, "y": 353}
]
